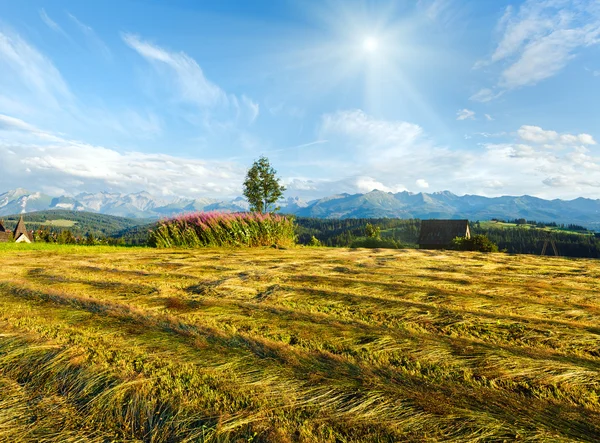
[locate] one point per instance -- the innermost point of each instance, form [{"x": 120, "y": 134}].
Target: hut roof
[
  {"x": 20, "y": 229},
  {"x": 442, "y": 232}
]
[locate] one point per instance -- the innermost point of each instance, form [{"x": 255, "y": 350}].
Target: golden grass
[{"x": 306, "y": 344}]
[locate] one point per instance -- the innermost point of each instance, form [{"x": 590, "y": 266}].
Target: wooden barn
[
  {"x": 4, "y": 234},
  {"x": 438, "y": 234}
]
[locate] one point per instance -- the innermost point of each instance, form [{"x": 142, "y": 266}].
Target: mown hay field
[{"x": 103, "y": 344}]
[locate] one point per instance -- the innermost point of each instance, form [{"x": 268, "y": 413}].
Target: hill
[
  {"x": 305, "y": 344},
  {"x": 78, "y": 222}
]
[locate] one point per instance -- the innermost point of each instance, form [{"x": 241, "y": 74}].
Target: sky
[{"x": 178, "y": 98}]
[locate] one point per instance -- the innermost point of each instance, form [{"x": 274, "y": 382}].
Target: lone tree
[
  {"x": 372, "y": 231},
  {"x": 261, "y": 187}
]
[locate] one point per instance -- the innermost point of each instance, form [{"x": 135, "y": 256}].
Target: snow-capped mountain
[
  {"x": 374, "y": 204},
  {"x": 136, "y": 205}
]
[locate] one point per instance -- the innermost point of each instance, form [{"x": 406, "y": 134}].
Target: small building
[
  {"x": 4, "y": 234},
  {"x": 438, "y": 234},
  {"x": 21, "y": 235}
]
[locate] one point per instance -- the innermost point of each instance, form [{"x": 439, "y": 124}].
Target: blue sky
[{"x": 496, "y": 97}]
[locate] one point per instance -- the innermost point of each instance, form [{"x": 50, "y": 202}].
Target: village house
[
  {"x": 4, "y": 234},
  {"x": 20, "y": 234},
  {"x": 438, "y": 234}
]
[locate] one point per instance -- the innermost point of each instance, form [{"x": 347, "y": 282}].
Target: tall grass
[{"x": 217, "y": 229}]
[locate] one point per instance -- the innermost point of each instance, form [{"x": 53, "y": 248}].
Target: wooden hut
[
  {"x": 438, "y": 234},
  {"x": 21, "y": 235},
  {"x": 4, "y": 234}
]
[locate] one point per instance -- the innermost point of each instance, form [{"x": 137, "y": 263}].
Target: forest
[
  {"x": 405, "y": 234},
  {"x": 512, "y": 236}
]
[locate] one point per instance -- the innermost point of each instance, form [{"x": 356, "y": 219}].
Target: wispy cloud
[
  {"x": 92, "y": 37},
  {"x": 445, "y": 12},
  {"x": 51, "y": 23},
  {"x": 486, "y": 95},
  {"x": 33, "y": 74},
  {"x": 8, "y": 123},
  {"x": 465, "y": 114},
  {"x": 539, "y": 40},
  {"x": 188, "y": 82},
  {"x": 33, "y": 88}
]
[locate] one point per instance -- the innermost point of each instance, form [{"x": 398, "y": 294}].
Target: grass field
[
  {"x": 308, "y": 344},
  {"x": 60, "y": 223},
  {"x": 504, "y": 225}
]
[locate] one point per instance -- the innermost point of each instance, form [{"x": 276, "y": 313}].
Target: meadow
[{"x": 103, "y": 344}]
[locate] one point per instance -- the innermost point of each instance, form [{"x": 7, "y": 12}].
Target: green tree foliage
[
  {"x": 477, "y": 242},
  {"x": 314, "y": 241},
  {"x": 262, "y": 187},
  {"x": 90, "y": 240},
  {"x": 522, "y": 240},
  {"x": 347, "y": 232},
  {"x": 372, "y": 231}
]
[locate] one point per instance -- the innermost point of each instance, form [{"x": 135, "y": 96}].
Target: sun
[{"x": 370, "y": 44}]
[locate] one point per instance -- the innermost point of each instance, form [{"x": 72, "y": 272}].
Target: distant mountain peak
[{"x": 373, "y": 204}]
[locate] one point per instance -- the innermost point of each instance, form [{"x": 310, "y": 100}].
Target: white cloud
[
  {"x": 191, "y": 83},
  {"x": 395, "y": 152},
  {"x": 380, "y": 155},
  {"x": 391, "y": 152},
  {"x": 368, "y": 184},
  {"x": 558, "y": 182},
  {"x": 92, "y": 37},
  {"x": 535, "y": 134},
  {"x": 253, "y": 108},
  {"x": 485, "y": 95},
  {"x": 421, "y": 183},
  {"x": 188, "y": 80},
  {"x": 540, "y": 39},
  {"x": 490, "y": 134},
  {"x": 75, "y": 166},
  {"x": 356, "y": 123},
  {"x": 465, "y": 114},
  {"x": 8, "y": 123},
  {"x": 51, "y": 23},
  {"x": 586, "y": 139}
]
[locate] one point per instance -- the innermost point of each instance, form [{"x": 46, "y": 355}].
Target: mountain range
[{"x": 374, "y": 204}]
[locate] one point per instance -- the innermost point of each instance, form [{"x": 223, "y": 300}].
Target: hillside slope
[
  {"x": 78, "y": 222},
  {"x": 307, "y": 344}
]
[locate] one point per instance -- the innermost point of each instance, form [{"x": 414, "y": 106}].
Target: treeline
[
  {"x": 531, "y": 241},
  {"x": 67, "y": 237},
  {"x": 391, "y": 233},
  {"x": 351, "y": 231},
  {"x": 405, "y": 233},
  {"x": 537, "y": 224}
]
